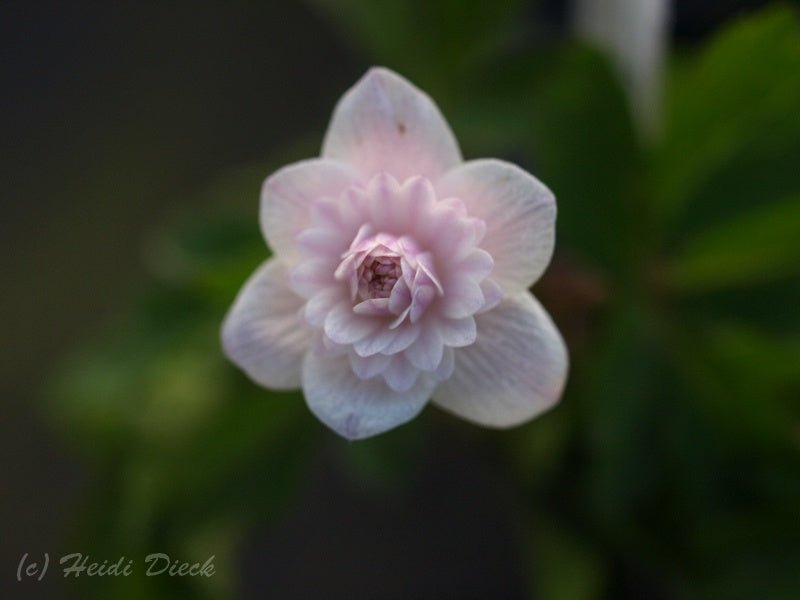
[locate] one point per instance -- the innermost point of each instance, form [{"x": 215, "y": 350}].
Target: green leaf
[
  {"x": 759, "y": 245},
  {"x": 583, "y": 144},
  {"x": 742, "y": 380},
  {"x": 741, "y": 98},
  {"x": 565, "y": 567},
  {"x": 622, "y": 419},
  {"x": 773, "y": 359},
  {"x": 749, "y": 555}
]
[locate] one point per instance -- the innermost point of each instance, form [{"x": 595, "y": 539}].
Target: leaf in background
[
  {"x": 620, "y": 404},
  {"x": 744, "y": 381},
  {"x": 739, "y": 103},
  {"x": 775, "y": 359},
  {"x": 749, "y": 556},
  {"x": 564, "y": 567},
  {"x": 180, "y": 439},
  {"x": 585, "y": 148},
  {"x": 757, "y": 246}
]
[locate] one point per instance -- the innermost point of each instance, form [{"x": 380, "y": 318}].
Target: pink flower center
[
  {"x": 388, "y": 276},
  {"x": 377, "y": 275}
]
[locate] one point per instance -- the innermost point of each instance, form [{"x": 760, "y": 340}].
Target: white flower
[{"x": 401, "y": 275}]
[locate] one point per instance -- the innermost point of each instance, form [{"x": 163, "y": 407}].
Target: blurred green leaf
[
  {"x": 565, "y": 567},
  {"x": 620, "y": 399},
  {"x": 185, "y": 447},
  {"x": 761, "y": 244},
  {"x": 773, "y": 359},
  {"x": 741, "y": 98},
  {"x": 749, "y": 557},
  {"x": 752, "y": 401},
  {"x": 583, "y": 144},
  {"x": 770, "y": 306}
]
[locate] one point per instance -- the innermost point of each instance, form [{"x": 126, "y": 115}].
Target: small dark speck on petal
[{"x": 401, "y": 128}]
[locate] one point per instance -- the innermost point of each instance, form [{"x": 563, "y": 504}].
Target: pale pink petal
[
  {"x": 400, "y": 375},
  {"x": 343, "y": 326},
  {"x": 321, "y": 241},
  {"x": 386, "y": 124},
  {"x": 446, "y": 367},
  {"x": 514, "y": 371},
  {"x": 263, "y": 333},
  {"x": 520, "y": 215},
  {"x": 405, "y": 335},
  {"x": 458, "y": 333},
  {"x": 376, "y": 342},
  {"x": 355, "y": 408},
  {"x": 328, "y": 347},
  {"x": 400, "y": 298},
  {"x": 450, "y": 236},
  {"x": 382, "y": 191},
  {"x": 492, "y": 294},
  {"x": 456, "y": 204},
  {"x": 288, "y": 194},
  {"x": 426, "y": 352},
  {"x": 425, "y": 262},
  {"x": 478, "y": 264},
  {"x": 423, "y": 296},
  {"x": 417, "y": 198},
  {"x": 462, "y": 298},
  {"x": 321, "y": 304},
  {"x": 309, "y": 277},
  {"x": 373, "y": 307},
  {"x": 366, "y": 367}
]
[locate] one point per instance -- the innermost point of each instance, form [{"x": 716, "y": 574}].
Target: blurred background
[{"x": 135, "y": 138}]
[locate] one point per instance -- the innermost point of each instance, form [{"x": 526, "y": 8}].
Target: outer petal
[
  {"x": 287, "y": 196},
  {"x": 263, "y": 332},
  {"x": 355, "y": 408},
  {"x": 515, "y": 370},
  {"x": 520, "y": 216},
  {"x": 384, "y": 123}
]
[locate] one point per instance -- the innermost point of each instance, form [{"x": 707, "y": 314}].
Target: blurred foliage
[{"x": 672, "y": 466}]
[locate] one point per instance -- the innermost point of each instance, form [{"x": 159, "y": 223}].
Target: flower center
[
  {"x": 377, "y": 275},
  {"x": 388, "y": 276}
]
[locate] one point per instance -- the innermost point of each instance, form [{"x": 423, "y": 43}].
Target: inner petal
[
  {"x": 377, "y": 275},
  {"x": 384, "y": 273}
]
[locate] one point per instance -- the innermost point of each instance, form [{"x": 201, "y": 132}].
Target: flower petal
[
  {"x": 318, "y": 307},
  {"x": 405, "y": 335},
  {"x": 515, "y": 370},
  {"x": 520, "y": 215},
  {"x": 344, "y": 326},
  {"x": 384, "y": 123},
  {"x": 458, "y": 333},
  {"x": 463, "y": 297},
  {"x": 310, "y": 277},
  {"x": 287, "y": 196},
  {"x": 367, "y": 367},
  {"x": 400, "y": 375},
  {"x": 492, "y": 294},
  {"x": 263, "y": 333},
  {"x": 446, "y": 367},
  {"x": 355, "y": 408},
  {"x": 426, "y": 352}
]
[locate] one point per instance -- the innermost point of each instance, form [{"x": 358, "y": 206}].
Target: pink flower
[{"x": 401, "y": 275}]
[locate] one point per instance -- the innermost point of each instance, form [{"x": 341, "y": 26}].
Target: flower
[{"x": 400, "y": 275}]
